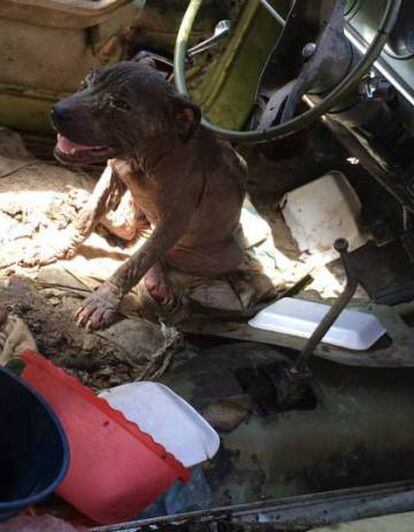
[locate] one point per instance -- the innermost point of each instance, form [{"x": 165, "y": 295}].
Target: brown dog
[{"x": 163, "y": 170}]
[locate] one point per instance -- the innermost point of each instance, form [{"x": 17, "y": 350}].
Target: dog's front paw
[
  {"x": 99, "y": 310},
  {"x": 50, "y": 249},
  {"x": 38, "y": 255}
]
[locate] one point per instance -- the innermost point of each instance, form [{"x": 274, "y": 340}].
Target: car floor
[{"x": 355, "y": 426}]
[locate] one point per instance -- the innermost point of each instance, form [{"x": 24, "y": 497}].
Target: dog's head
[{"x": 120, "y": 110}]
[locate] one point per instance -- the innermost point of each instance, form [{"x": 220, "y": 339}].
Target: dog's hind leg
[
  {"x": 158, "y": 285},
  {"x": 209, "y": 261}
]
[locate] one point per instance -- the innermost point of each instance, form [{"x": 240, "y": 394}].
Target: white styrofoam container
[
  {"x": 169, "y": 419},
  {"x": 296, "y": 317}
]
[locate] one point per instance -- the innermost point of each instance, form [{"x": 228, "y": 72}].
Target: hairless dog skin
[{"x": 163, "y": 171}]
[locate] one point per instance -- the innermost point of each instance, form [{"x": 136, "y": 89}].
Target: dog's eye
[
  {"x": 89, "y": 79},
  {"x": 83, "y": 85},
  {"x": 119, "y": 103}
]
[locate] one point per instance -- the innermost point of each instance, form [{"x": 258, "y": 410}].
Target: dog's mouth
[{"x": 72, "y": 152}]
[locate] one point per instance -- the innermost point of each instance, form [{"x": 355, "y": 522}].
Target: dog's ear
[
  {"x": 145, "y": 59},
  {"x": 186, "y": 116}
]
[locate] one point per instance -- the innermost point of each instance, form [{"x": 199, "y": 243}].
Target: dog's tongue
[{"x": 67, "y": 146}]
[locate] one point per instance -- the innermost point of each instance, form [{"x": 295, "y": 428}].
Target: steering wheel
[{"x": 310, "y": 73}]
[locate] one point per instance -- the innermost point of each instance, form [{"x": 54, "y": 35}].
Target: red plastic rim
[{"x": 46, "y": 365}]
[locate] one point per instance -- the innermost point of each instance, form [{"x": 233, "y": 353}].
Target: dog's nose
[{"x": 60, "y": 113}]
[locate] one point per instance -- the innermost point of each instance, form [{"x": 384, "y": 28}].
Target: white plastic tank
[{"x": 320, "y": 212}]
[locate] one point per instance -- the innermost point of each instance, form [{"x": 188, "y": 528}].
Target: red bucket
[{"x": 115, "y": 470}]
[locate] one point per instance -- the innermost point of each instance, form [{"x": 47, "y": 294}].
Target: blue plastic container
[{"x": 34, "y": 453}]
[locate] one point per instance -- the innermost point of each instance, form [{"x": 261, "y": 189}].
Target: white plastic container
[
  {"x": 353, "y": 330},
  {"x": 169, "y": 419},
  {"x": 322, "y": 211}
]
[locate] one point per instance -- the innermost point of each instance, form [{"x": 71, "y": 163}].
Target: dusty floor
[{"x": 130, "y": 350}]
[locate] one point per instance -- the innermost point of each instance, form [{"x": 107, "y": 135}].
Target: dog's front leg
[
  {"x": 100, "y": 308},
  {"x": 99, "y": 203},
  {"x": 107, "y": 192}
]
